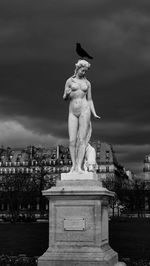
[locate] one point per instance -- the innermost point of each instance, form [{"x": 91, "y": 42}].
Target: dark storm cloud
[{"x": 37, "y": 51}]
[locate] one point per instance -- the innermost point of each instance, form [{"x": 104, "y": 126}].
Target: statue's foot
[
  {"x": 80, "y": 171},
  {"x": 72, "y": 169}
]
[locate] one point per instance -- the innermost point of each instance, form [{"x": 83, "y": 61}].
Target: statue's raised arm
[{"x": 78, "y": 90}]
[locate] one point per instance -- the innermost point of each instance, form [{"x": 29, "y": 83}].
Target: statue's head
[{"x": 81, "y": 67}]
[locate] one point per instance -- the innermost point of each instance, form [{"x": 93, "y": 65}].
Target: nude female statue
[{"x": 78, "y": 90}]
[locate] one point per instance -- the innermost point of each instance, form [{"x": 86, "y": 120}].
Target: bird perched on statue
[{"x": 81, "y": 52}]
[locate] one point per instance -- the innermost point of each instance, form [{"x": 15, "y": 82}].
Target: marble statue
[{"x": 78, "y": 91}]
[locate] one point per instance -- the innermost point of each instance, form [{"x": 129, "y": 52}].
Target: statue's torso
[{"x": 78, "y": 96}]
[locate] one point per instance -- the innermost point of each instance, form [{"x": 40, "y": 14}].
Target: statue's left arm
[
  {"x": 67, "y": 90},
  {"x": 91, "y": 104}
]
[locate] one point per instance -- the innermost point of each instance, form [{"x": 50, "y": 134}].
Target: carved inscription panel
[{"x": 75, "y": 224}]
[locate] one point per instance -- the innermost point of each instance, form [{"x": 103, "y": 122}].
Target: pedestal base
[
  {"x": 78, "y": 224},
  {"x": 101, "y": 257}
]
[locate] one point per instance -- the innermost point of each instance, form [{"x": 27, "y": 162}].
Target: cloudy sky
[{"x": 37, "y": 55}]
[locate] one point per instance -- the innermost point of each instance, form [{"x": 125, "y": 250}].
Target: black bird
[{"x": 81, "y": 52}]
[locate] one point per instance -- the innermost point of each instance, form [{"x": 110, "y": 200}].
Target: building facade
[
  {"x": 24, "y": 173},
  {"x": 146, "y": 168}
]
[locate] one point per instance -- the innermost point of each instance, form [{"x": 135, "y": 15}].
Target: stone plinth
[
  {"x": 75, "y": 176},
  {"x": 78, "y": 223}
]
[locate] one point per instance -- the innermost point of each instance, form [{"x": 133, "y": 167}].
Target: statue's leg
[
  {"x": 72, "y": 128},
  {"x": 84, "y": 124}
]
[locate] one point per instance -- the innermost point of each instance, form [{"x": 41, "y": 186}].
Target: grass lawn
[
  {"x": 23, "y": 238},
  {"x": 130, "y": 238}
]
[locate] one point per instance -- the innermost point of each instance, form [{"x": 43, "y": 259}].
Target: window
[{"x": 107, "y": 168}]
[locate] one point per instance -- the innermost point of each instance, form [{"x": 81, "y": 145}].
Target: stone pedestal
[{"x": 78, "y": 223}]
